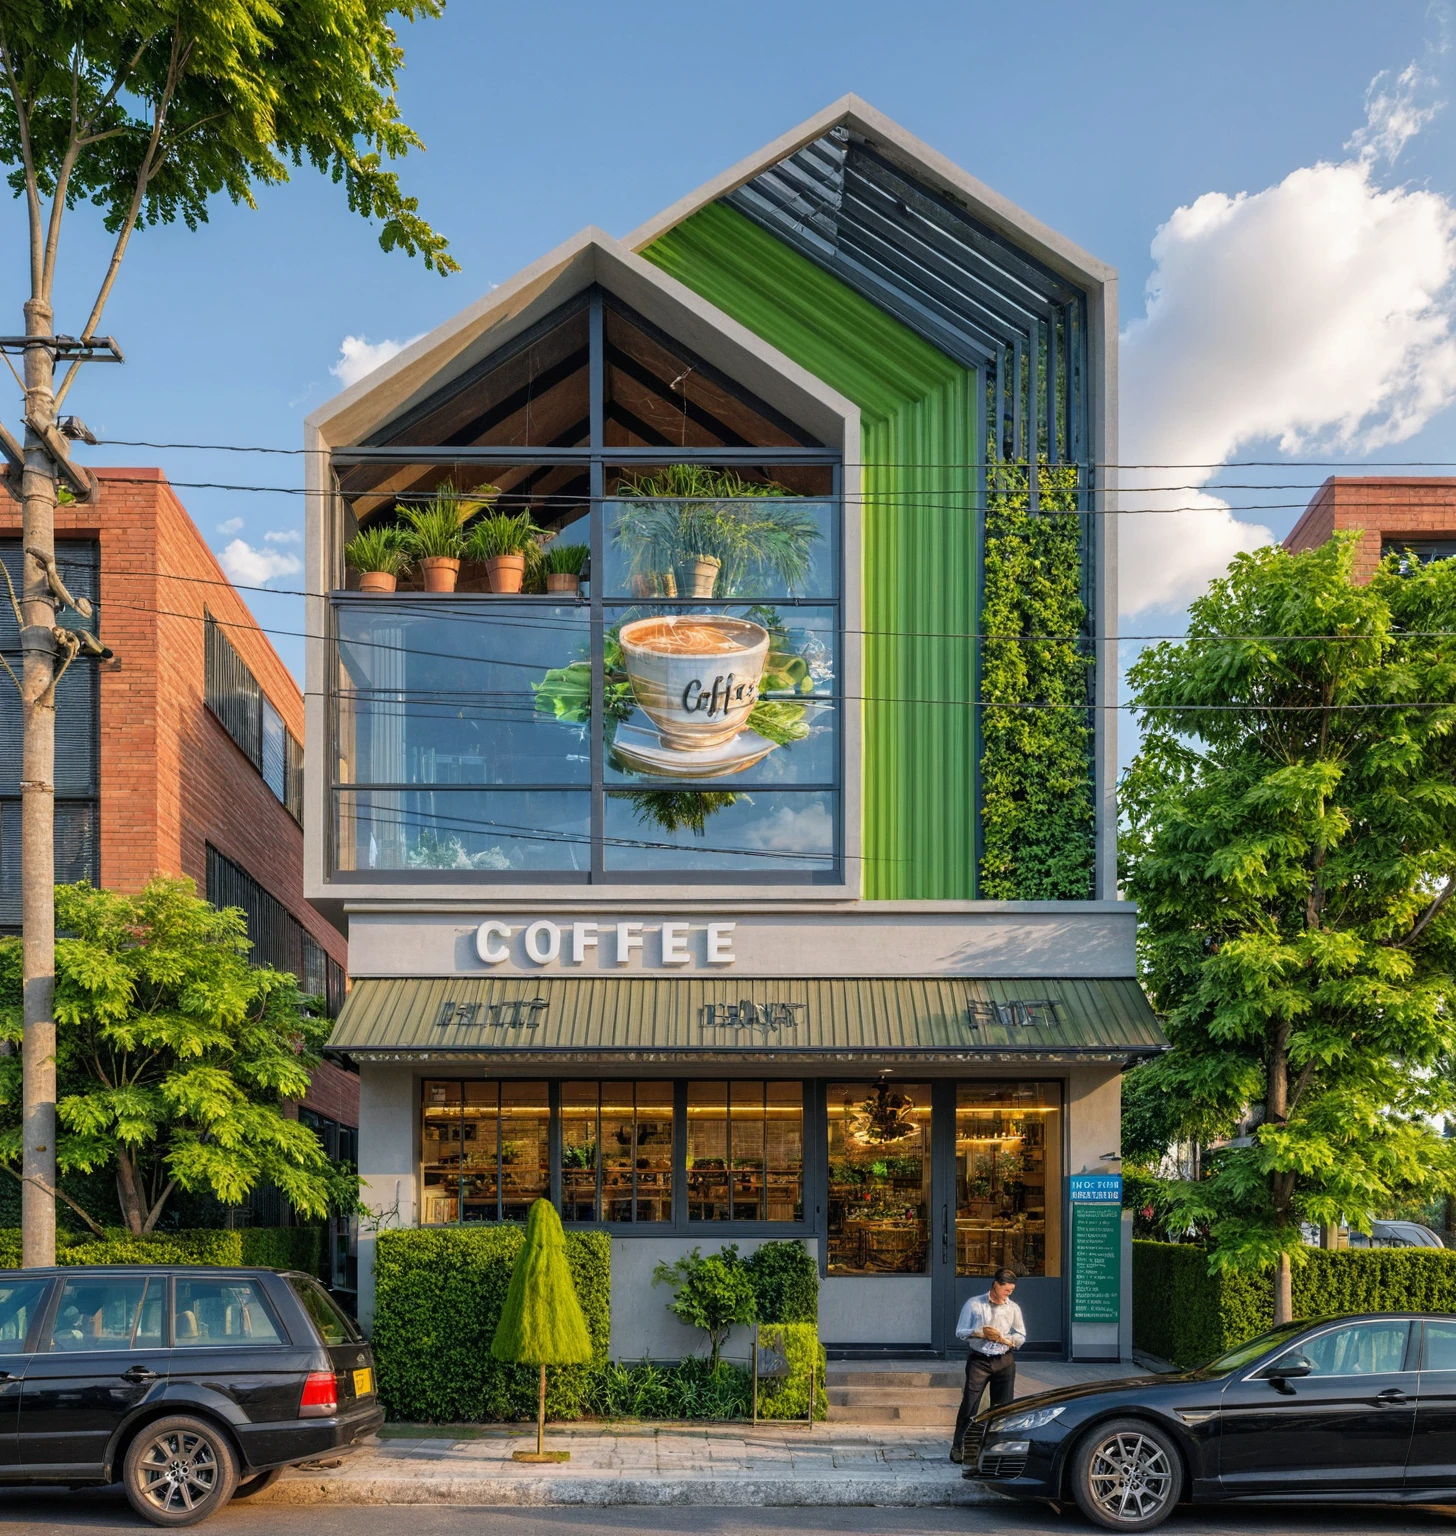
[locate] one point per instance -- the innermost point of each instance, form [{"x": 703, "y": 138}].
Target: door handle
[
  {"x": 139, "y": 1373},
  {"x": 1390, "y": 1395},
  {"x": 945, "y": 1234}
]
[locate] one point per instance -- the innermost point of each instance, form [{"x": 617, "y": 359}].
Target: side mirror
[{"x": 1287, "y": 1368}]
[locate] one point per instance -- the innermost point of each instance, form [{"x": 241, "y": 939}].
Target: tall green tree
[
  {"x": 1291, "y": 845},
  {"x": 174, "y": 1055},
  {"x": 149, "y": 109}
]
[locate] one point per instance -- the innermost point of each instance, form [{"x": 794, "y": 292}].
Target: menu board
[{"x": 1096, "y": 1262}]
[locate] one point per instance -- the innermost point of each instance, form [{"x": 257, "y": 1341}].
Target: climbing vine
[{"x": 1036, "y": 763}]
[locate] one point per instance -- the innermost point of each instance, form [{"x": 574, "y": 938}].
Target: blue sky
[{"x": 1101, "y": 120}]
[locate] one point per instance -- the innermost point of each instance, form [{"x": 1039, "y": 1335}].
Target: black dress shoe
[{"x": 955, "y": 1453}]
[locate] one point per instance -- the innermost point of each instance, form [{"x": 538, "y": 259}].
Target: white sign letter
[
  {"x": 675, "y": 944},
  {"x": 629, "y": 937},
  {"x": 552, "y": 935},
  {"x": 491, "y": 953},
  {"x": 720, "y": 943},
  {"x": 583, "y": 938}
]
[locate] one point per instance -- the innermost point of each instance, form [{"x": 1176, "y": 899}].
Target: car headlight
[{"x": 1035, "y": 1418}]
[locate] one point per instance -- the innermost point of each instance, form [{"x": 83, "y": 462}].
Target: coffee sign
[{"x": 578, "y": 943}]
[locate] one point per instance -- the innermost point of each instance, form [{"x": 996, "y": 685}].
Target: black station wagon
[{"x": 189, "y": 1385}]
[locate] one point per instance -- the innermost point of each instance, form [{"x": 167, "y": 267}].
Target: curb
[{"x": 719, "y": 1492}]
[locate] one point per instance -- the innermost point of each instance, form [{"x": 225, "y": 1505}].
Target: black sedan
[
  {"x": 1343, "y": 1410},
  {"x": 187, "y": 1385}
]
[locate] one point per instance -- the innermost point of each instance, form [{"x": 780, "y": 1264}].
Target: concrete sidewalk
[{"x": 721, "y": 1465}]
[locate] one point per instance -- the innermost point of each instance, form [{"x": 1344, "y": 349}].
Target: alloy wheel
[
  {"x": 178, "y": 1471},
  {"x": 1130, "y": 1477}
]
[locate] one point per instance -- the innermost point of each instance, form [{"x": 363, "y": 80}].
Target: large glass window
[
  {"x": 616, "y": 1151},
  {"x": 676, "y": 711},
  {"x": 879, "y": 1178},
  {"x": 1008, "y": 1178},
  {"x": 485, "y": 1151},
  {"x": 745, "y": 1159}
]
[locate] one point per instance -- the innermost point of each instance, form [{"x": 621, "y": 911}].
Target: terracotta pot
[
  {"x": 377, "y": 581},
  {"x": 563, "y": 581},
  {"x": 439, "y": 572},
  {"x": 698, "y": 577},
  {"x": 506, "y": 572}
]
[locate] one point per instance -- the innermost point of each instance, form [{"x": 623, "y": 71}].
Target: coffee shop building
[{"x": 738, "y": 865}]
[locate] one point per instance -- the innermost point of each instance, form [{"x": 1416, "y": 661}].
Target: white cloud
[
  {"x": 251, "y": 567},
  {"x": 1317, "y": 313},
  {"x": 283, "y": 536},
  {"x": 810, "y": 831},
  {"x": 232, "y": 525},
  {"x": 1394, "y": 113},
  {"x": 358, "y": 357}
]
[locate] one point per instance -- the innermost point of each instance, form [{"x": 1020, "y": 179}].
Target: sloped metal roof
[{"x": 642, "y": 1018}]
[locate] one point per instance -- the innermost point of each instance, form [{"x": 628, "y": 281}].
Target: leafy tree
[
  {"x": 542, "y": 1322},
  {"x": 1291, "y": 845},
  {"x": 715, "y": 1294},
  {"x": 173, "y": 1055},
  {"x": 149, "y": 109}
]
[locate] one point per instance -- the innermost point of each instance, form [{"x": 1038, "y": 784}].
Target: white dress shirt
[{"x": 979, "y": 1312}]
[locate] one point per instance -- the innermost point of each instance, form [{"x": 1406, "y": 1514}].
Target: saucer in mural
[{"x": 639, "y": 746}]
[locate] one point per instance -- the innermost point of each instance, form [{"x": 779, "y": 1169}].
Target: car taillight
[{"x": 320, "y": 1396}]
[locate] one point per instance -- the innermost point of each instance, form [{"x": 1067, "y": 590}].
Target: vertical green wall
[{"x": 918, "y": 539}]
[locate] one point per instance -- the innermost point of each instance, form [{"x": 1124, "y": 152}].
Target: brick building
[
  {"x": 183, "y": 755},
  {"x": 1396, "y": 513}
]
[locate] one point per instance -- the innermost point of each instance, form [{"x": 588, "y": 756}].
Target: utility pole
[{"x": 42, "y": 463}]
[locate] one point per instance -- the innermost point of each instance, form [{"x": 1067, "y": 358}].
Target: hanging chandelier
[{"x": 885, "y": 1117}]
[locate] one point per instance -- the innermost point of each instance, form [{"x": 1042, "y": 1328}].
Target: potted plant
[
  {"x": 434, "y": 531},
  {"x": 502, "y": 542},
  {"x": 696, "y": 531},
  {"x": 564, "y": 565},
  {"x": 379, "y": 556}
]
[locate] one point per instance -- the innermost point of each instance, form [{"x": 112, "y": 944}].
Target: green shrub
[
  {"x": 438, "y": 1298},
  {"x": 785, "y": 1279},
  {"x": 715, "y": 1293},
  {"x": 260, "y": 1247},
  {"x": 690, "y": 1390},
  {"x": 787, "y": 1397},
  {"x": 1184, "y": 1314}
]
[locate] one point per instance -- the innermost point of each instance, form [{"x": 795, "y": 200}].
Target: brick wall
[
  {"x": 172, "y": 779},
  {"x": 1398, "y": 507}
]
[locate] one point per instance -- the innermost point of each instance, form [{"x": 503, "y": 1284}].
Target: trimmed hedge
[
  {"x": 787, "y": 1397},
  {"x": 257, "y": 1247},
  {"x": 785, "y": 1281},
  {"x": 438, "y": 1296},
  {"x": 1184, "y": 1314}
]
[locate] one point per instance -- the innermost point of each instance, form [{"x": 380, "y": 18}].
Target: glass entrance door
[{"x": 998, "y": 1200}]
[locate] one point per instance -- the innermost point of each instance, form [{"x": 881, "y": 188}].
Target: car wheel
[
  {"x": 1126, "y": 1475},
  {"x": 179, "y": 1471},
  {"x": 258, "y": 1482}
]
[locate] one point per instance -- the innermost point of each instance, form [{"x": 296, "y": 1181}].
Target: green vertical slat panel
[{"x": 918, "y": 538}]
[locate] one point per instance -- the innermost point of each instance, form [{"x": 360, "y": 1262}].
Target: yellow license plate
[{"x": 363, "y": 1383}]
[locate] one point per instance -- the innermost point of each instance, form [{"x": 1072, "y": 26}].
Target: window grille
[
  {"x": 243, "y": 710},
  {"x": 277, "y": 937}
]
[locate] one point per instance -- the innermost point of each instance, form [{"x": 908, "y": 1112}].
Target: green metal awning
[{"x": 592, "y": 1019}]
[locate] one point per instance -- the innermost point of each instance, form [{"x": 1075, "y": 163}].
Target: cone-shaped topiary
[{"x": 541, "y": 1322}]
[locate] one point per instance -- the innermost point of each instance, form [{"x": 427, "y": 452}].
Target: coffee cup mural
[{"x": 696, "y": 677}]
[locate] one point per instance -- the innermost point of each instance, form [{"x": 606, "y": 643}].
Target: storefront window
[
  {"x": 485, "y": 1151},
  {"x": 879, "y": 1178},
  {"x": 1008, "y": 1178},
  {"x": 745, "y": 1156},
  {"x": 616, "y": 1151}
]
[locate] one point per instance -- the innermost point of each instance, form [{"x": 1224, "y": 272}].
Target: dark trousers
[{"x": 1000, "y": 1371}]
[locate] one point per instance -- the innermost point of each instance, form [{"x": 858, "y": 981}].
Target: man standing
[{"x": 993, "y": 1329}]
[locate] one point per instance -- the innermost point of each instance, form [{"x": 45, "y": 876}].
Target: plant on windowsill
[
  {"x": 689, "y": 530},
  {"x": 503, "y": 544},
  {"x": 563, "y": 565},
  {"x": 379, "y": 556},
  {"x": 434, "y": 531}
]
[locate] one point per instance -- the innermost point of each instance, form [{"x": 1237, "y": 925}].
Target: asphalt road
[{"x": 73, "y": 1514}]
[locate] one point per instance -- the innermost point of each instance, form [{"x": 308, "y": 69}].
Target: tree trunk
[
  {"x": 1283, "y": 1291},
  {"x": 541, "y": 1416},
  {"x": 37, "y": 813},
  {"x": 129, "y": 1192}
]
